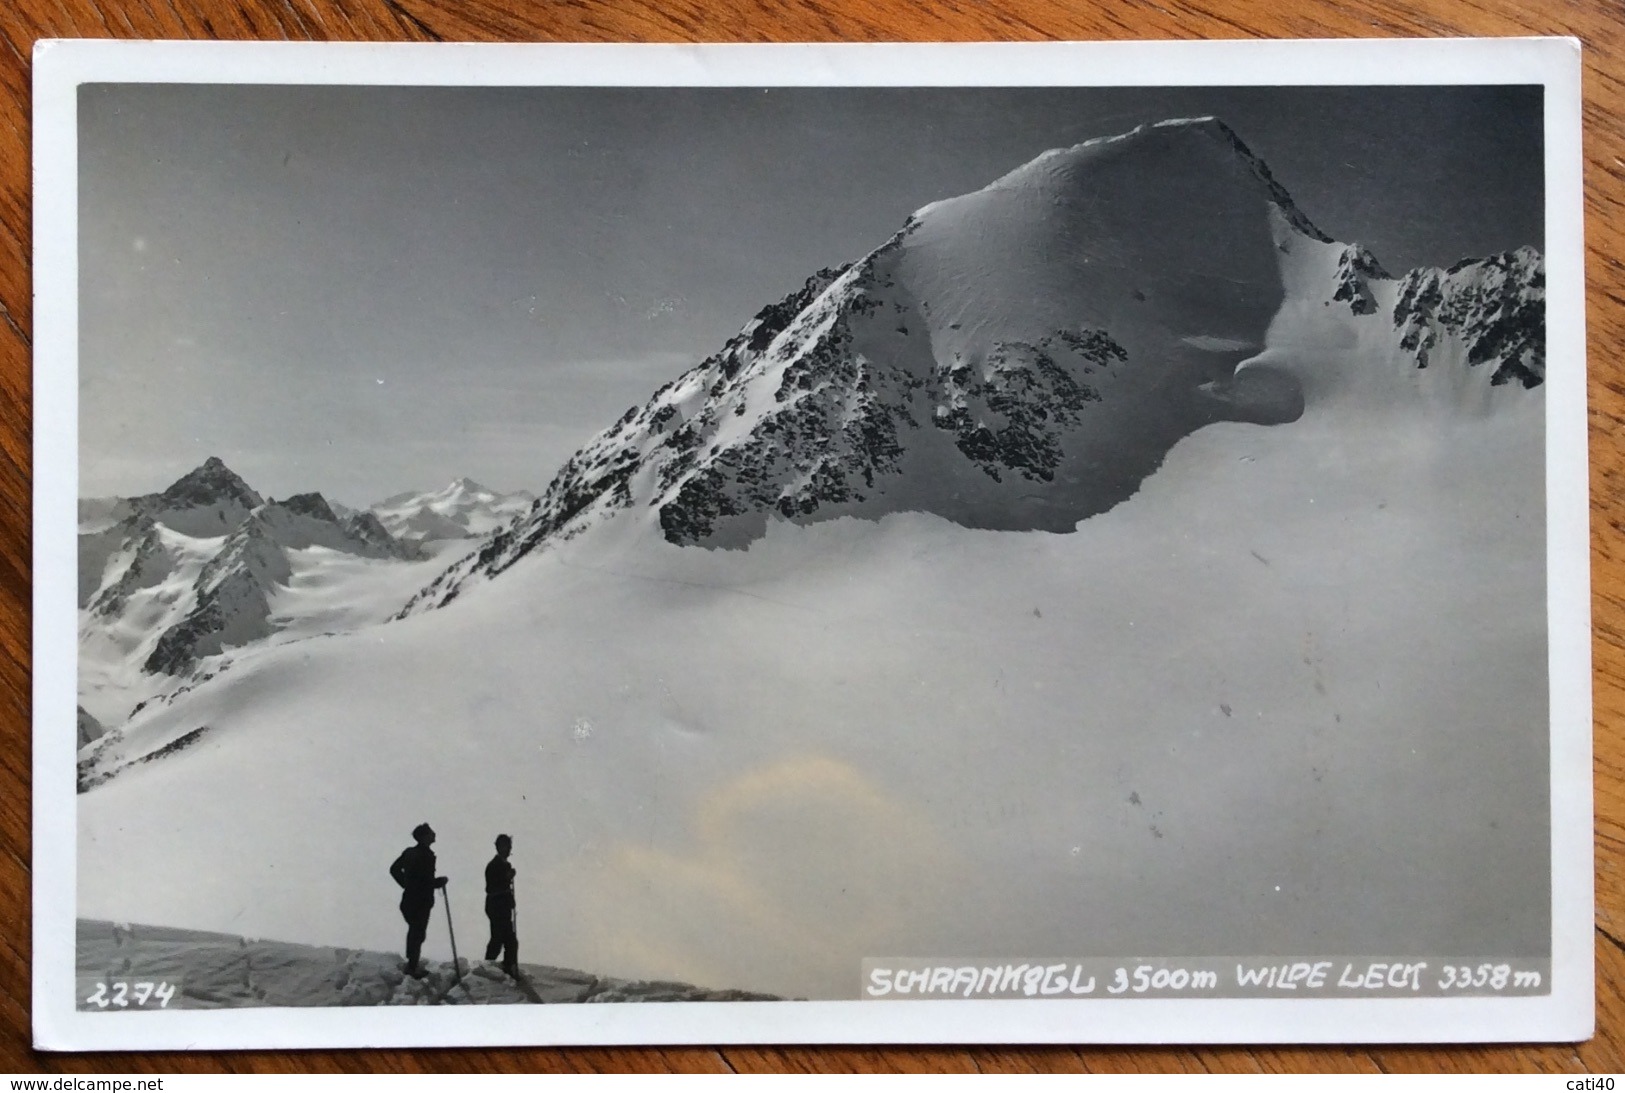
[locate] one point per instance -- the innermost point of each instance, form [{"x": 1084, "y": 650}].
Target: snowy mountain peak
[
  {"x": 207, "y": 501},
  {"x": 463, "y": 509},
  {"x": 468, "y": 486},
  {"x": 1199, "y": 140},
  {"x": 253, "y": 548},
  {"x": 313, "y": 505},
  {"x": 210, "y": 483},
  {"x": 366, "y": 529},
  {"x": 1017, "y": 358}
]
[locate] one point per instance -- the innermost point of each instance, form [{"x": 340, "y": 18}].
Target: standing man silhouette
[
  {"x": 414, "y": 872},
  {"x": 500, "y": 909}
]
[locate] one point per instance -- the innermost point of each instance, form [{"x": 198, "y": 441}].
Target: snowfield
[
  {"x": 1178, "y": 729},
  {"x": 324, "y": 591},
  {"x": 1289, "y": 697}
]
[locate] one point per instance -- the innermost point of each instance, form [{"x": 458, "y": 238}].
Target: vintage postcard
[{"x": 598, "y": 544}]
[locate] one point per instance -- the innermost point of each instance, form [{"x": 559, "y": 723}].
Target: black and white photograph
[{"x": 709, "y": 547}]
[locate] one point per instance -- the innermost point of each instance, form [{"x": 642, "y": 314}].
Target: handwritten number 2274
[{"x": 122, "y": 991}]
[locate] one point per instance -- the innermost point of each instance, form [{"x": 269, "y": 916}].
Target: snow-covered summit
[
  {"x": 209, "y": 483},
  {"x": 1182, "y": 135},
  {"x": 462, "y": 509},
  {"x": 1016, "y": 358},
  {"x": 209, "y": 500}
]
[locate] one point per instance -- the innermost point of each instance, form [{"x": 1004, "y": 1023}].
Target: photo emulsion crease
[{"x": 767, "y": 545}]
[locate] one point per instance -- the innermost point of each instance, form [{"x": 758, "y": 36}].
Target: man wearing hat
[{"x": 414, "y": 872}]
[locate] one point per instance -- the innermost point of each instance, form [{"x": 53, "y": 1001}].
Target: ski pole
[{"x": 456, "y": 965}]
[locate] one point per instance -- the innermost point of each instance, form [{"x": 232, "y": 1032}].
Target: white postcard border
[{"x": 1567, "y": 1014}]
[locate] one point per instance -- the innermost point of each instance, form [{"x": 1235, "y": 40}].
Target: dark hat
[
  {"x": 422, "y": 831},
  {"x": 503, "y": 840}
]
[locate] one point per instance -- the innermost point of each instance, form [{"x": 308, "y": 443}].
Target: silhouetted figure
[
  {"x": 414, "y": 872},
  {"x": 499, "y": 908}
]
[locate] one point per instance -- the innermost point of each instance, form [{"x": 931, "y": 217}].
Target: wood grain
[{"x": 1600, "y": 24}]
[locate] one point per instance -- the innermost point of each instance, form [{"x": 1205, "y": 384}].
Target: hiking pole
[
  {"x": 514, "y": 926},
  {"x": 456, "y": 965}
]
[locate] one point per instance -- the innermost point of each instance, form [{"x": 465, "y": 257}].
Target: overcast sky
[{"x": 368, "y": 290}]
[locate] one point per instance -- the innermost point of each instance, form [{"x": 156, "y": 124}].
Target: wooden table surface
[{"x": 1600, "y": 24}]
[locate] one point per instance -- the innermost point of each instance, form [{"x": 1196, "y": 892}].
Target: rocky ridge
[{"x": 1495, "y": 306}]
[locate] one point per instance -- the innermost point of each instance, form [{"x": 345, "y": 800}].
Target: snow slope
[
  {"x": 319, "y": 591},
  {"x": 911, "y": 737},
  {"x": 1286, "y": 696}
]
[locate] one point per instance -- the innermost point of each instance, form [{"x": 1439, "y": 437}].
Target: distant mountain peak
[
  {"x": 208, "y": 501},
  {"x": 458, "y": 510},
  {"x": 312, "y": 504},
  {"x": 209, "y": 483},
  {"x": 368, "y": 531}
]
